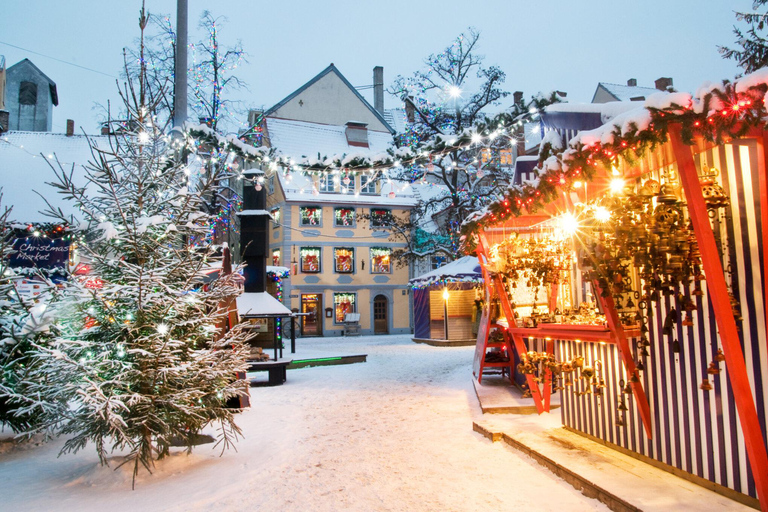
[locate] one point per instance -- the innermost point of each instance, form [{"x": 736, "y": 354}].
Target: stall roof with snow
[{"x": 260, "y": 305}]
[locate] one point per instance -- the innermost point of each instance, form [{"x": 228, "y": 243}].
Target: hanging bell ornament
[
  {"x": 622, "y": 405},
  {"x": 640, "y": 366},
  {"x": 705, "y": 385},
  {"x": 675, "y": 346},
  {"x": 713, "y": 369},
  {"x": 587, "y": 372},
  {"x": 719, "y": 357},
  {"x": 627, "y": 389}
]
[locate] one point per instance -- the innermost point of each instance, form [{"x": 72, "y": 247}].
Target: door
[
  {"x": 380, "y": 320},
  {"x": 312, "y": 320}
]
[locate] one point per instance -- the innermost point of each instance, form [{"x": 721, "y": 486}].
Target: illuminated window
[
  {"x": 380, "y": 217},
  {"x": 485, "y": 155},
  {"x": 310, "y": 215},
  {"x": 275, "y": 215},
  {"x": 344, "y": 217},
  {"x": 343, "y": 303},
  {"x": 381, "y": 260},
  {"x": 505, "y": 157},
  {"x": 310, "y": 260},
  {"x": 344, "y": 260},
  {"x": 367, "y": 184},
  {"x": 276, "y": 257}
]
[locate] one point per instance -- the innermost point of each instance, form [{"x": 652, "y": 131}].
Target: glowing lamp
[
  {"x": 617, "y": 185},
  {"x": 454, "y": 91},
  {"x": 446, "y": 294},
  {"x": 162, "y": 329},
  {"x": 602, "y": 214},
  {"x": 568, "y": 223}
]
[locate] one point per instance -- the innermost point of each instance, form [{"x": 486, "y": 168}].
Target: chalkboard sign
[{"x": 45, "y": 253}]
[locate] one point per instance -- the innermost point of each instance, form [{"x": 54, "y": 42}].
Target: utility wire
[{"x": 59, "y": 60}]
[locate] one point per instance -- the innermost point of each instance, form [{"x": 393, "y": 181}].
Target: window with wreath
[
  {"x": 275, "y": 212},
  {"x": 276, "y": 257},
  {"x": 310, "y": 215},
  {"x": 381, "y": 260},
  {"x": 344, "y": 216},
  {"x": 344, "y": 260},
  {"x": 380, "y": 217},
  {"x": 343, "y": 303},
  {"x": 310, "y": 260},
  {"x": 367, "y": 184}
]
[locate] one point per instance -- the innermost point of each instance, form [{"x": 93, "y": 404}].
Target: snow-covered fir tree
[
  {"x": 141, "y": 357},
  {"x": 21, "y": 325}
]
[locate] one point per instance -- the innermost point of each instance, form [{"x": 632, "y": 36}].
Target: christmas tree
[{"x": 142, "y": 356}]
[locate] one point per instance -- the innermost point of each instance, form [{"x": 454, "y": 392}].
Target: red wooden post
[
  {"x": 762, "y": 169},
  {"x": 614, "y": 324},
  {"x": 726, "y": 324}
]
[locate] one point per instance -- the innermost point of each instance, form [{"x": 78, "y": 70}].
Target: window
[
  {"x": 276, "y": 257},
  {"x": 327, "y": 182},
  {"x": 343, "y": 303},
  {"x": 310, "y": 260},
  {"x": 438, "y": 261},
  {"x": 28, "y": 93},
  {"x": 310, "y": 215},
  {"x": 381, "y": 260},
  {"x": 367, "y": 184},
  {"x": 344, "y": 217},
  {"x": 344, "y": 260},
  {"x": 275, "y": 212},
  {"x": 505, "y": 157},
  {"x": 380, "y": 217},
  {"x": 271, "y": 185}
]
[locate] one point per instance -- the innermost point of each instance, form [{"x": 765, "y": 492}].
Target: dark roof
[
  {"x": 330, "y": 69},
  {"x": 51, "y": 83}
]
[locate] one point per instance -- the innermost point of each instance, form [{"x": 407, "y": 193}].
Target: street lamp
[{"x": 445, "y": 311}]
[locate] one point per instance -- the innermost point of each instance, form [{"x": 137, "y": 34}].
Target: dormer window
[{"x": 357, "y": 134}]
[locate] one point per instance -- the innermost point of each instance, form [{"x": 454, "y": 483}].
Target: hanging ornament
[
  {"x": 392, "y": 195},
  {"x": 480, "y": 173},
  {"x": 346, "y": 180}
]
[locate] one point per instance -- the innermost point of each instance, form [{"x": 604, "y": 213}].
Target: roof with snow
[
  {"x": 25, "y": 171},
  {"x": 299, "y": 139},
  {"x": 583, "y": 116},
  {"x": 260, "y": 305},
  {"x": 463, "y": 269},
  {"x": 396, "y": 118},
  {"x": 625, "y": 92}
]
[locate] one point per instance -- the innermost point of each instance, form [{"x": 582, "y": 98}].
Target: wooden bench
[{"x": 277, "y": 371}]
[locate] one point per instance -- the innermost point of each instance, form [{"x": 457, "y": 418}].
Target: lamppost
[{"x": 445, "y": 311}]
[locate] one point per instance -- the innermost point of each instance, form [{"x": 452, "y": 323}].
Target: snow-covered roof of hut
[
  {"x": 463, "y": 269},
  {"x": 260, "y": 305},
  {"x": 625, "y": 92},
  {"x": 25, "y": 172}
]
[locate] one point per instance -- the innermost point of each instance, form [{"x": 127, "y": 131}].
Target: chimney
[
  {"x": 410, "y": 110},
  {"x": 5, "y": 118},
  {"x": 378, "y": 89},
  {"x": 632, "y": 82},
  {"x": 70, "y": 127},
  {"x": 663, "y": 83},
  {"x": 518, "y": 97}
]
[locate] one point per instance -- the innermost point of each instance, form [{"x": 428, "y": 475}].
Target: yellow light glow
[
  {"x": 615, "y": 171},
  {"x": 577, "y": 184},
  {"x": 602, "y": 214},
  {"x": 446, "y": 294},
  {"x": 617, "y": 185},
  {"x": 568, "y": 223}
]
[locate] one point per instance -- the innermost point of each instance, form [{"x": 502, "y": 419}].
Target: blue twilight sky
[{"x": 542, "y": 45}]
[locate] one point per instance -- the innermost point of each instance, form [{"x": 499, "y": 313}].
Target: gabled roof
[
  {"x": 51, "y": 83},
  {"x": 625, "y": 92},
  {"x": 329, "y": 69}
]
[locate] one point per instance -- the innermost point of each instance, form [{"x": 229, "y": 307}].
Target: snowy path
[{"x": 391, "y": 434}]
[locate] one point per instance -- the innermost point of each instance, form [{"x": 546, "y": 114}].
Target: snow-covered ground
[{"x": 394, "y": 433}]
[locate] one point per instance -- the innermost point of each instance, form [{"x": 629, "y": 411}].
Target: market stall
[
  {"x": 665, "y": 211},
  {"x": 447, "y": 302}
]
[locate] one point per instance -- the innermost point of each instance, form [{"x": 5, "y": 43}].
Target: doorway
[
  {"x": 380, "y": 318},
  {"x": 312, "y": 320}
]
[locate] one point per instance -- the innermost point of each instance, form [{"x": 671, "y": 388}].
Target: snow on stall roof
[
  {"x": 607, "y": 111},
  {"x": 260, "y": 304},
  {"x": 24, "y": 172},
  {"x": 627, "y": 92},
  {"x": 299, "y": 139},
  {"x": 462, "y": 269}
]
